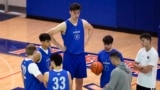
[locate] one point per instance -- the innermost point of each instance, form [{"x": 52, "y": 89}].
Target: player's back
[
  {"x": 58, "y": 80},
  {"x": 30, "y": 82},
  {"x": 44, "y": 62}
]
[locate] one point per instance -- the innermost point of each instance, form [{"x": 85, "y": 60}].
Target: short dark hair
[
  {"x": 75, "y": 6},
  {"x": 30, "y": 49},
  {"x": 108, "y": 39},
  {"x": 56, "y": 58},
  {"x": 146, "y": 36},
  {"x": 44, "y": 37},
  {"x": 115, "y": 54}
]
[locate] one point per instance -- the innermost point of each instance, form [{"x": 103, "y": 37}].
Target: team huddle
[{"x": 43, "y": 70}]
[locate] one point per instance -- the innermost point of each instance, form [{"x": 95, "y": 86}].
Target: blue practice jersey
[
  {"x": 58, "y": 80},
  {"x": 44, "y": 63},
  {"x": 30, "y": 82},
  {"x": 74, "y": 37},
  {"x": 103, "y": 57}
]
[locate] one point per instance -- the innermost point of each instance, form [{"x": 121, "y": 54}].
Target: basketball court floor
[{"x": 23, "y": 30}]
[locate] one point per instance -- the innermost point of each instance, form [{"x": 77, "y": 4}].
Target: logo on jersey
[{"x": 76, "y": 34}]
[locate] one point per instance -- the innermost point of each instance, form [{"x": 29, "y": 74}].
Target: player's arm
[
  {"x": 137, "y": 65},
  {"x": 152, "y": 62},
  {"x": 34, "y": 70},
  {"x": 146, "y": 69},
  {"x": 59, "y": 28},
  {"x": 89, "y": 29},
  {"x": 70, "y": 80},
  {"x": 46, "y": 75}
]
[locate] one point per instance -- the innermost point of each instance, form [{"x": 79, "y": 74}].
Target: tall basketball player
[{"x": 73, "y": 35}]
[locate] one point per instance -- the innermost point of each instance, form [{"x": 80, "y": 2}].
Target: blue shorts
[{"x": 75, "y": 64}]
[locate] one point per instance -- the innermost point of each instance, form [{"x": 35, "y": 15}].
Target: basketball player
[
  {"x": 73, "y": 35},
  {"x": 32, "y": 77},
  {"x": 44, "y": 52},
  {"x": 121, "y": 76},
  {"x": 103, "y": 57},
  {"x": 57, "y": 78},
  {"x": 146, "y": 63}
]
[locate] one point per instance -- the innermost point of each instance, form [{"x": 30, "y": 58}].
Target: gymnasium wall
[
  {"x": 96, "y": 12},
  {"x": 141, "y": 15},
  {"x": 132, "y": 15}
]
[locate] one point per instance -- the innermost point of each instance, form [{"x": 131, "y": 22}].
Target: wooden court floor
[{"x": 27, "y": 30}]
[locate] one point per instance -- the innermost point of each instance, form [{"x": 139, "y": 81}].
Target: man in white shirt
[{"x": 146, "y": 63}]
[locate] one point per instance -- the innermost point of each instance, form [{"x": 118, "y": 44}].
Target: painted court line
[{"x": 9, "y": 75}]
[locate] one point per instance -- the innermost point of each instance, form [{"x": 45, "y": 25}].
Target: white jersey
[{"x": 145, "y": 58}]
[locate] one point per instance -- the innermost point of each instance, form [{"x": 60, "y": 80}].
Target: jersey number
[
  {"x": 56, "y": 81},
  {"x": 24, "y": 71}
]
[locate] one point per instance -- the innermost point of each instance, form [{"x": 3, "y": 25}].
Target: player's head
[
  {"x": 56, "y": 59},
  {"x": 45, "y": 39},
  {"x": 75, "y": 10},
  {"x": 30, "y": 49},
  {"x": 115, "y": 58},
  {"x": 107, "y": 41},
  {"x": 145, "y": 39}
]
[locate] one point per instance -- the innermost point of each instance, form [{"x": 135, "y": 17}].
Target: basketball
[{"x": 96, "y": 67}]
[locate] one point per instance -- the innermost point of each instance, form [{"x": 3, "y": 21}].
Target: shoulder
[
  {"x": 115, "y": 71},
  {"x": 154, "y": 53},
  {"x": 115, "y": 50},
  {"x": 102, "y": 51},
  {"x": 153, "y": 50},
  {"x": 32, "y": 66},
  {"x": 68, "y": 73},
  {"x": 22, "y": 61},
  {"x": 63, "y": 23},
  {"x": 85, "y": 22},
  {"x": 50, "y": 49},
  {"x": 141, "y": 50},
  {"x": 61, "y": 26}
]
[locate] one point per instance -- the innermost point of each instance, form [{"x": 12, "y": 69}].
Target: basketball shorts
[{"x": 75, "y": 64}]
